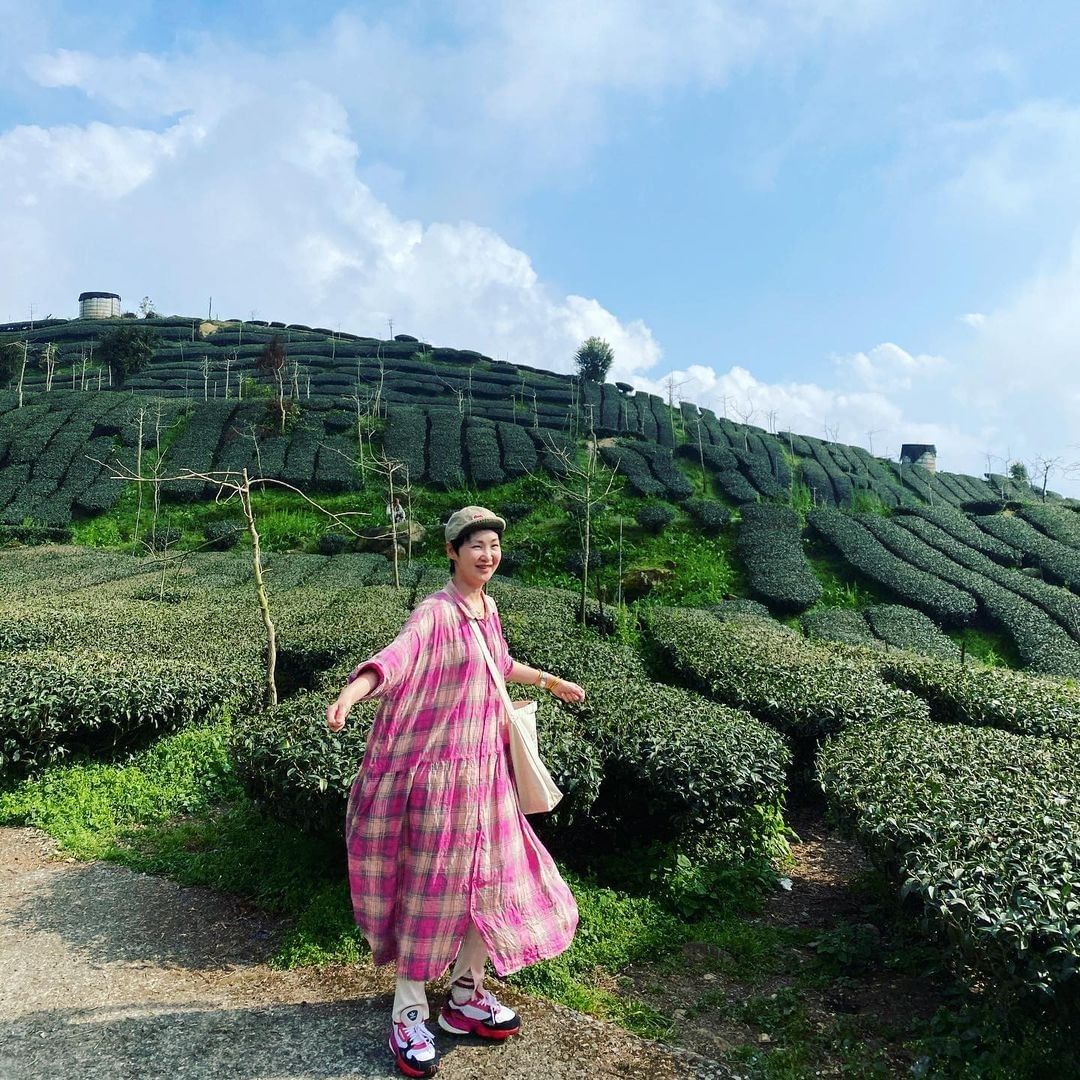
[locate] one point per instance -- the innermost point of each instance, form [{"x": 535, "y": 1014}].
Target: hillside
[{"x": 917, "y": 552}]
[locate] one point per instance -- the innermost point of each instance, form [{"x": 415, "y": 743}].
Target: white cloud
[
  {"x": 973, "y": 318},
  {"x": 259, "y": 203},
  {"x": 887, "y": 367},
  {"x": 98, "y": 160}
]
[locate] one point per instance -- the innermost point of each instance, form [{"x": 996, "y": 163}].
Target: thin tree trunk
[
  {"x": 270, "y": 693},
  {"x": 408, "y": 496},
  {"x": 22, "y": 370},
  {"x": 138, "y": 470},
  {"x": 393, "y": 528}
]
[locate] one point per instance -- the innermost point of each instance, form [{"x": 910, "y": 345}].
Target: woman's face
[{"x": 478, "y": 558}]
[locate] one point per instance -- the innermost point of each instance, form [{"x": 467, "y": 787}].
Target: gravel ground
[{"x": 113, "y": 975}]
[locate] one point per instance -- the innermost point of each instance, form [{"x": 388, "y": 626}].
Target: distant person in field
[
  {"x": 443, "y": 867},
  {"x": 395, "y": 512}
]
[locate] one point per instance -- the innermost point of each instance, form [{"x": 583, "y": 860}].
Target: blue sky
[{"x": 854, "y": 215}]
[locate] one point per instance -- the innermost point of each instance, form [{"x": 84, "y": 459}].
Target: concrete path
[{"x": 112, "y": 975}]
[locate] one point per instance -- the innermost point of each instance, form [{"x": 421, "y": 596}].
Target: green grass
[
  {"x": 841, "y": 587},
  {"x": 992, "y": 648},
  {"x": 176, "y": 809}
]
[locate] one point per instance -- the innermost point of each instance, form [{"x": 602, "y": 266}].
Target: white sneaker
[{"x": 413, "y": 1047}]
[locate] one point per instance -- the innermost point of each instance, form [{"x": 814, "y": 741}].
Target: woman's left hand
[{"x": 567, "y": 691}]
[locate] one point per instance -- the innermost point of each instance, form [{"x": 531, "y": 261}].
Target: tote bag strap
[{"x": 500, "y": 682}]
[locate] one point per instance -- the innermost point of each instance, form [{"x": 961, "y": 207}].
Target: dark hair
[{"x": 458, "y": 542}]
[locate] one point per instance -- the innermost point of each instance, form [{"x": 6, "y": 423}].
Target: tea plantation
[{"x": 769, "y": 615}]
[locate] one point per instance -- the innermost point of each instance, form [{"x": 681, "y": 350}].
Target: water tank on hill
[
  {"x": 923, "y": 454},
  {"x": 99, "y": 305}
]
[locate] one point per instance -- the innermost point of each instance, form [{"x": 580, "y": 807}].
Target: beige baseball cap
[{"x": 469, "y": 517}]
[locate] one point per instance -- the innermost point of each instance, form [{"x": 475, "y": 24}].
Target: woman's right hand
[{"x": 337, "y": 711}]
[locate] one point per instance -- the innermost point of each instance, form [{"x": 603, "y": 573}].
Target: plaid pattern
[{"x": 433, "y": 829}]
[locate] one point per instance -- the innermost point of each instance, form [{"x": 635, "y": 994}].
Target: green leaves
[
  {"x": 982, "y": 827},
  {"x": 799, "y": 687},
  {"x": 770, "y": 545}
]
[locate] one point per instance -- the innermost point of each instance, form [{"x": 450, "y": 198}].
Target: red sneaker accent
[{"x": 456, "y": 1019}]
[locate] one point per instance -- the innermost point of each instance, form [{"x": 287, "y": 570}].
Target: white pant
[{"x": 410, "y": 995}]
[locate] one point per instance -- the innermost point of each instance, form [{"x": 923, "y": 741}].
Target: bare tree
[
  {"x": 1043, "y": 467},
  {"x": 746, "y": 413},
  {"x": 231, "y": 485},
  {"x": 394, "y": 475},
  {"x": 458, "y": 393},
  {"x": 229, "y": 361},
  {"x": 581, "y": 488},
  {"x": 273, "y": 363},
  {"x": 25, "y": 346},
  {"x": 672, "y": 387},
  {"x": 140, "y": 421},
  {"x": 49, "y": 358}
]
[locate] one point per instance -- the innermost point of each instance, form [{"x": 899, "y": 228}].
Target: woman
[{"x": 441, "y": 861}]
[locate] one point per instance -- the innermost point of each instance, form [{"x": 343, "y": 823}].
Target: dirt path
[{"x": 109, "y": 974}]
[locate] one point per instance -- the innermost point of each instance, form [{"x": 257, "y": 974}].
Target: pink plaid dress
[{"x": 435, "y": 837}]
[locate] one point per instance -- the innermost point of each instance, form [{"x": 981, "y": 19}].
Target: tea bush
[
  {"x": 980, "y": 827},
  {"x": 907, "y": 628},
  {"x": 838, "y": 624},
  {"x": 1059, "y": 561},
  {"x": 53, "y": 702},
  {"x": 770, "y": 546},
  {"x": 867, "y": 554},
  {"x": 800, "y": 687}
]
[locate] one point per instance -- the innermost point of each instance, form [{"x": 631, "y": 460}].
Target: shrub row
[
  {"x": 1059, "y": 562},
  {"x": 482, "y": 447},
  {"x": 1062, "y": 605},
  {"x": 979, "y": 827},
  {"x": 817, "y": 480},
  {"x": 711, "y": 515},
  {"x": 674, "y": 764},
  {"x": 663, "y": 467},
  {"x": 977, "y": 695},
  {"x": 906, "y": 628},
  {"x": 1042, "y": 643},
  {"x": 802, "y": 688},
  {"x": 518, "y": 454},
  {"x": 962, "y": 528},
  {"x": 405, "y": 438},
  {"x": 757, "y": 468},
  {"x": 770, "y": 546},
  {"x": 838, "y": 624},
  {"x": 627, "y": 462},
  {"x": 444, "y": 467},
  {"x": 939, "y": 599},
  {"x": 1055, "y": 521},
  {"x": 52, "y": 703}
]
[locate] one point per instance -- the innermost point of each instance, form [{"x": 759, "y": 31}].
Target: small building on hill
[
  {"x": 924, "y": 454},
  {"x": 99, "y": 305}
]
